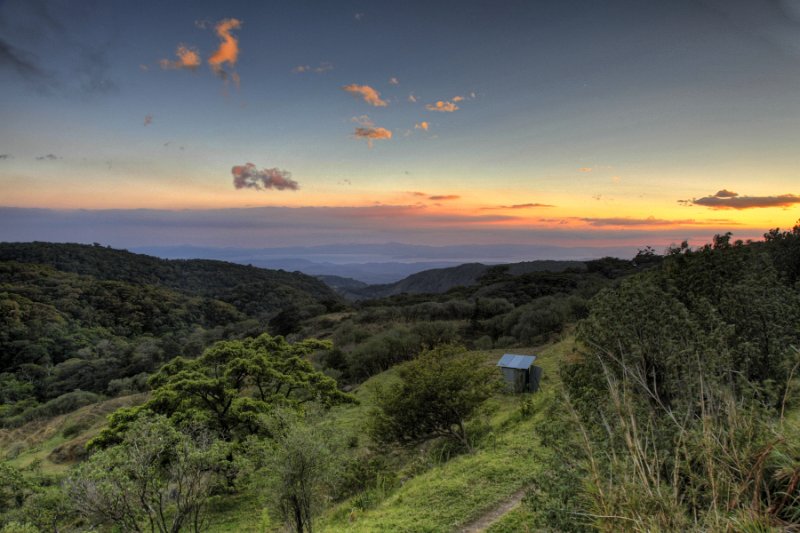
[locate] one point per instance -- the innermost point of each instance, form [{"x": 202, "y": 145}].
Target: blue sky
[{"x": 567, "y": 117}]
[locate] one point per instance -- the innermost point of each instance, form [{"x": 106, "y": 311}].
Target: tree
[
  {"x": 301, "y": 467},
  {"x": 231, "y": 386},
  {"x": 437, "y": 394},
  {"x": 158, "y": 480}
]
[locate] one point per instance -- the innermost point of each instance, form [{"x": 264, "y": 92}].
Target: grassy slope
[
  {"x": 454, "y": 493},
  {"x": 441, "y": 498},
  {"x": 42, "y": 442}
]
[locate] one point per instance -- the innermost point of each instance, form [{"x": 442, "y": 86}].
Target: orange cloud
[
  {"x": 228, "y": 51},
  {"x": 188, "y": 58},
  {"x": 367, "y": 93},
  {"x": 585, "y": 169},
  {"x": 442, "y": 106},
  {"x": 421, "y": 126},
  {"x": 371, "y": 133}
]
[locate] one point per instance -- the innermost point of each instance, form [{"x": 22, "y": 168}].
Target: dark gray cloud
[
  {"x": 247, "y": 176},
  {"x": 6, "y": 156},
  {"x": 76, "y": 52},
  {"x": 17, "y": 60},
  {"x": 725, "y": 193},
  {"x": 725, "y": 199},
  {"x": 48, "y": 157},
  {"x": 438, "y": 197}
]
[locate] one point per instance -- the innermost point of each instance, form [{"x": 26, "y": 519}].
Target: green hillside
[{"x": 670, "y": 402}]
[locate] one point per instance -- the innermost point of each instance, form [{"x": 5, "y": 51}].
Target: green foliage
[
  {"x": 14, "y": 488},
  {"x": 19, "y": 527},
  {"x": 675, "y": 408},
  {"x": 48, "y": 509},
  {"x": 301, "y": 470},
  {"x": 437, "y": 394},
  {"x": 158, "y": 477},
  {"x": 232, "y": 386}
]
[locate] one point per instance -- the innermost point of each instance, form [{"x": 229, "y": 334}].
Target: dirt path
[{"x": 483, "y": 523}]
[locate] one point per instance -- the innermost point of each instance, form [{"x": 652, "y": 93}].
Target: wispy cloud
[
  {"x": 412, "y": 98},
  {"x": 228, "y": 50},
  {"x": 421, "y": 126},
  {"x": 319, "y": 69},
  {"x": 726, "y": 199},
  {"x": 6, "y": 156},
  {"x": 23, "y": 65},
  {"x": 248, "y": 176},
  {"x": 394, "y": 81},
  {"x": 442, "y": 106},
  {"x": 188, "y": 58},
  {"x": 148, "y": 119},
  {"x": 440, "y": 197},
  {"x": 366, "y": 93},
  {"x": 519, "y": 206},
  {"x": 416, "y": 193},
  {"x": 48, "y": 157},
  {"x": 585, "y": 169},
  {"x": 651, "y": 221}
]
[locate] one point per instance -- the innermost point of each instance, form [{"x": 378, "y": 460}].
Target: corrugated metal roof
[{"x": 522, "y": 362}]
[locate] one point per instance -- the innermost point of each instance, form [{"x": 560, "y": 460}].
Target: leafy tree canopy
[{"x": 230, "y": 387}]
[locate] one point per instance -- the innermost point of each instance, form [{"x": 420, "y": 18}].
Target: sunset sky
[{"x": 440, "y": 122}]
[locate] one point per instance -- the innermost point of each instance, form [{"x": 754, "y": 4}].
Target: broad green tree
[
  {"x": 231, "y": 386},
  {"x": 437, "y": 393}
]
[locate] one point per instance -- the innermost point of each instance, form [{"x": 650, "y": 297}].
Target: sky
[{"x": 259, "y": 124}]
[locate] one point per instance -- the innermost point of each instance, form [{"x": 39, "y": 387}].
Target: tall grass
[{"x": 722, "y": 461}]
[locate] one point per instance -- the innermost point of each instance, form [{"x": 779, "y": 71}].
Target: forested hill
[
  {"x": 251, "y": 290},
  {"x": 80, "y": 321},
  {"x": 441, "y": 280}
]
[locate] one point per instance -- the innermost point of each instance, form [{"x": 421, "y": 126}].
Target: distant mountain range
[{"x": 383, "y": 263}]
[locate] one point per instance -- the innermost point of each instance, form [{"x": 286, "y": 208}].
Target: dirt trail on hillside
[{"x": 483, "y": 523}]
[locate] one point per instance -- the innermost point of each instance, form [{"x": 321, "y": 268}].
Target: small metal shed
[{"x": 520, "y": 373}]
